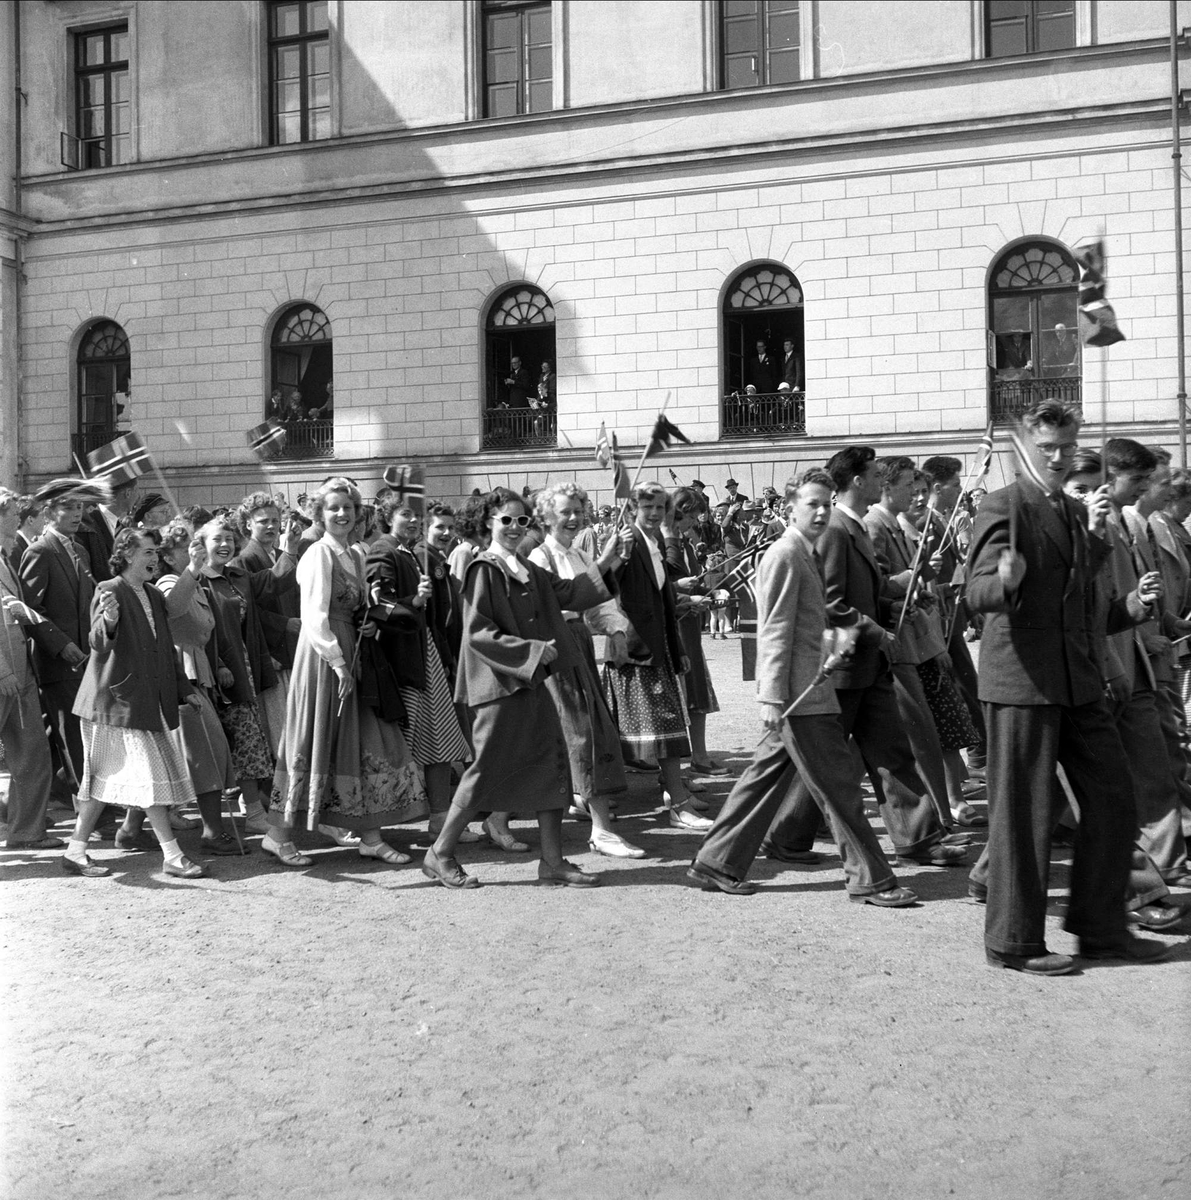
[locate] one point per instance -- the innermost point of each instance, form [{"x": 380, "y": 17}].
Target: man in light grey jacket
[{"x": 810, "y": 741}]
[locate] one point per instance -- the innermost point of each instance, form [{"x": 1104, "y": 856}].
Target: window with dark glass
[
  {"x": 299, "y": 72},
  {"x": 1028, "y": 26},
  {"x": 302, "y": 395},
  {"x": 1034, "y": 352},
  {"x": 519, "y": 378},
  {"x": 518, "y": 58},
  {"x": 103, "y": 98},
  {"x": 104, "y": 368},
  {"x": 759, "y": 42},
  {"x": 764, "y": 355}
]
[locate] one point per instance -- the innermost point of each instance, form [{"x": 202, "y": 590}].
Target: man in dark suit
[
  {"x": 59, "y": 586},
  {"x": 791, "y": 367},
  {"x": 864, "y": 686},
  {"x": 809, "y": 742},
  {"x": 97, "y": 530},
  {"x": 517, "y": 384},
  {"x": 760, "y": 371},
  {"x": 31, "y": 521},
  {"x": 1031, "y": 566}
]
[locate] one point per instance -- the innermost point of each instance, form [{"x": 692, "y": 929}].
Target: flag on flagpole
[
  {"x": 409, "y": 483},
  {"x": 984, "y": 462},
  {"x": 121, "y": 461},
  {"x": 266, "y": 440},
  {"x": 1097, "y": 321},
  {"x": 608, "y": 456},
  {"x": 603, "y": 447},
  {"x": 664, "y": 433},
  {"x": 1024, "y": 462}
]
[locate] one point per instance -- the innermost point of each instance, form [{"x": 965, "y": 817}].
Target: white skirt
[{"x": 133, "y": 767}]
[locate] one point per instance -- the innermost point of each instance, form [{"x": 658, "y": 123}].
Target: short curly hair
[
  {"x": 388, "y": 506},
  {"x": 127, "y": 543},
  {"x": 544, "y": 501},
  {"x": 650, "y": 491},
  {"x": 215, "y": 524},
  {"x": 176, "y": 533},
  {"x": 251, "y": 503},
  {"x": 497, "y": 499},
  {"x": 332, "y": 484}
]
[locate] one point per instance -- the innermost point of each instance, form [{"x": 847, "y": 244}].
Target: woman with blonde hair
[
  {"x": 338, "y": 762},
  {"x": 593, "y": 741}
]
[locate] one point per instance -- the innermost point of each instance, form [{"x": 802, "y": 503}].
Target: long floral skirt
[
  {"x": 137, "y": 768},
  {"x": 593, "y": 741},
  {"x": 342, "y": 766},
  {"x": 647, "y": 706},
  {"x": 957, "y": 731},
  {"x": 246, "y": 736}
]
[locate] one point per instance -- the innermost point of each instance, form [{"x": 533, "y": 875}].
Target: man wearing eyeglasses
[{"x": 1031, "y": 564}]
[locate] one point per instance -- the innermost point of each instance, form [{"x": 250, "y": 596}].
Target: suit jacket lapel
[{"x": 1061, "y": 533}]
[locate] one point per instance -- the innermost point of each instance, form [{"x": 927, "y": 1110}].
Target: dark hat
[
  {"x": 697, "y": 483},
  {"x": 731, "y": 483},
  {"x": 146, "y": 506},
  {"x": 86, "y": 491}
]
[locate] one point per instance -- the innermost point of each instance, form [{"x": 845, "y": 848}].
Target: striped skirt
[{"x": 433, "y": 734}]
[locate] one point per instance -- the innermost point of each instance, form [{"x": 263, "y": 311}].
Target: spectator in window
[
  {"x": 547, "y": 386},
  {"x": 328, "y": 406},
  {"x": 761, "y": 372},
  {"x": 278, "y": 409},
  {"x": 517, "y": 384},
  {"x": 791, "y": 367}
]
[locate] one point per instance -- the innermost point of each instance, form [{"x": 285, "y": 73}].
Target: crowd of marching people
[{"x": 354, "y": 664}]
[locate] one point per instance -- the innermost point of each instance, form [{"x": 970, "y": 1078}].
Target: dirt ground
[{"x": 353, "y": 1031}]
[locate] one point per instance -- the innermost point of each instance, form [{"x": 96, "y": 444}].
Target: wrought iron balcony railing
[
  {"x": 763, "y": 414},
  {"x": 308, "y": 439},
  {"x": 510, "y": 428},
  {"x": 1009, "y": 398}
]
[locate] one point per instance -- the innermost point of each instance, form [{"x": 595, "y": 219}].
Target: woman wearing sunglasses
[{"x": 515, "y": 636}]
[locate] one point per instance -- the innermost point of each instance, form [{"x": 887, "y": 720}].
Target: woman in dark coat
[
  {"x": 514, "y": 636},
  {"x": 128, "y": 705},
  {"x": 643, "y": 693}
]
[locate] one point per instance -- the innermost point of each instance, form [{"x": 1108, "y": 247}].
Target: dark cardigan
[{"x": 133, "y": 678}]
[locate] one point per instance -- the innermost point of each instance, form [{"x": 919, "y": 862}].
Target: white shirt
[
  {"x": 510, "y": 562},
  {"x": 659, "y": 563},
  {"x": 567, "y": 562}
]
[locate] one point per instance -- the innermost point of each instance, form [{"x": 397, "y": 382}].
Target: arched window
[
  {"x": 1033, "y": 339},
  {"x": 764, "y": 354},
  {"x": 104, "y": 386},
  {"x": 520, "y": 406},
  {"x": 301, "y": 395}
]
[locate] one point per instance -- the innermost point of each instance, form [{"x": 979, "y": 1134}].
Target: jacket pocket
[{"x": 123, "y": 690}]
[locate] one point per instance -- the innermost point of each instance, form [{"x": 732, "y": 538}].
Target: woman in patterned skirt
[
  {"x": 593, "y": 742},
  {"x": 338, "y": 762},
  {"x": 128, "y": 706},
  {"x": 643, "y": 694}
]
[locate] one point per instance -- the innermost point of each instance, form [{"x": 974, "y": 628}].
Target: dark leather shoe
[
  {"x": 90, "y": 869},
  {"x": 978, "y": 892},
  {"x": 1157, "y": 916},
  {"x": 809, "y": 857},
  {"x": 1033, "y": 964},
  {"x": 568, "y": 875},
  {"x": 45, "y": 843},
  {"x": 898, "y": 897},
  {"x": 447, "y": 872},
  {"x": 1126, "y": 949},
  {"x": 223, "y": 846},
  {"x": 134, "y": 841},
  {"x": 183, "y": 869},
  {"x": 711, "y": 880},
  {"x": 937, "y": 856}
]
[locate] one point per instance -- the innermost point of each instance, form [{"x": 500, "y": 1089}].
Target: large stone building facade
[{"x": 353, "y": 216}]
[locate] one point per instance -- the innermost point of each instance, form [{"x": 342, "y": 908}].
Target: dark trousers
[
  {"x": 1024, "y": 745},
  {"x": 1159, "y": 818},
  {"x": 813, "y": 749},
  {"x": 919, "y": 724},
  {"x": 870, "y": 715},
  {"x": 66, "y": 738},
  {"x": 27, "y": 759}
]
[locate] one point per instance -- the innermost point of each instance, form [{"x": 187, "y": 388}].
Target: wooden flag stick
[{"x": 916, "y": 567}]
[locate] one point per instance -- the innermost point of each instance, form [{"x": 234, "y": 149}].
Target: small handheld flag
[
  {"x": 121, "y": 461},
  {"x": 266, "y": 440},
  {"x": 409, "y": 483},
  {"x": 608, "y": 456},
  {"x": 984, "y": 462},
  {"x": 1097, "y": 321},
  {"x": 665, "y": 432}
]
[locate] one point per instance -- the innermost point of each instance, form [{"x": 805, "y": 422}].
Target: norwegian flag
[
  {"x": 739, "y": 580},
  {"x": 608, "y": 456},
  {"x": 1097, "y": 321},
  {"x": 121, "y": 461},
  {"x": 986, "y": 453},
  {"x": 409, "y": 483},
  {"x": 266, "y": 440}
]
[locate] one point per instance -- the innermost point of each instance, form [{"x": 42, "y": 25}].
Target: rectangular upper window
[
  {"x": 299, "y": 71},
  {"x": 1028, "y": 26},
  {"x": 518, "y": 58},
  {"x": 759, "y": 43},
  {"x": 103, "y": 97}
]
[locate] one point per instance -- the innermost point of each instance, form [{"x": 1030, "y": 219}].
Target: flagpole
[
  {"x": 916, "y": 567},
  {"x": 165, "y": 486},
  {"x": 641, "y": 465}
]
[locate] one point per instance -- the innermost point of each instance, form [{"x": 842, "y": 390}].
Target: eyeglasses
[
  {"x": 506, "y": 520},
  {"x": 1050, "y": 449}
]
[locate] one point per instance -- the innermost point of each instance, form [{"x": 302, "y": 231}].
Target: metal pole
[{"x": 1176, "y": 156}]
